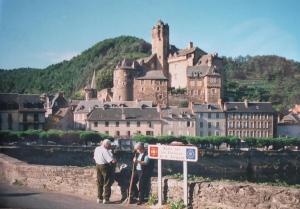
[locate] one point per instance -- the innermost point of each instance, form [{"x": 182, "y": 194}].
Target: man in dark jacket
[{"x": 141, "y": 161}]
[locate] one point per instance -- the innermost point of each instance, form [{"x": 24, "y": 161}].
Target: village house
[
  {"x": 125, "y": 122},
  {"x": 19, "y": 112},
  {"x": 289, "y": 125},
  {"x": 178, "y": 121},
  {"x": 250, "y": 119},
  {"x": 210, "y": 119}
]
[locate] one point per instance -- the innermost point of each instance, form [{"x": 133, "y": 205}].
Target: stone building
[
  {"x": 289, "y": 125},
  {"x": 250, "y": 119},
  {"x": 84, "y": 107},
  {"x": 210, "y": 119},
  {"x": 178, "y": 122},
  {"x": 146, "y": 78},
  {"x": 53, "y": 103},
  {"x": 204, "y": 84},
  {"x": 123, "y": 122},
  {"x": 20, "y": 112},
  {"x": 149, "y": 78},
  {"x": 179, "y": 60}
]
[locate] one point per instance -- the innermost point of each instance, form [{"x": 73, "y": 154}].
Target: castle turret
[
  {"x": 90, "y": 89},
  {"x": 160, "y": 45},
  {"x": 123, "y": 81}
]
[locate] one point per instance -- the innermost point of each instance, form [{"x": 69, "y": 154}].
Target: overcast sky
[{"x": 37, "y": 33}]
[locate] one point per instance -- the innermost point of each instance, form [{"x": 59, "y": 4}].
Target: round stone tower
[{"x": 123, "y": 81}]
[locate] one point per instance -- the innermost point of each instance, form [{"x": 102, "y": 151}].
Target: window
[
  {"x": 138, "y": 132},
  {"x": 96, "y": 124},
  {"x": 157, "y": 89},
  {"x": 0, "y": 121},
  {"x": 188, "y": 124},
  {"x": 24, "y": 117},
  {"x": 217, "y": 124},
  {"x": 36, "y": 126},
  {"x": 217, "y": 115},
  {"x": 138, "y": 123},
  {"x": 209, "y": 115},
  {"x": 209, "y": 124},
  {"x": 201, "y": 124},
  {"x": 36, "y": 117},
  {"x": 209, "y": 133},
  {"x": 201, "y": 114},
  {"x": 128, "y": 133},
  {"x": 149, "y": 124},
  {"x": 217, "y": 133},
  {"x": 128, "y": 123},
  {"x": 149, "y": 133},
  {"x": 117, "y": 133},
  {"x": 107, "y": 132},
  {"x": 117, "y": 123},
  {"x": 9, "y": 120},
  {"x": 201, "y": 133},
  {"x": 106, "y": 123}
]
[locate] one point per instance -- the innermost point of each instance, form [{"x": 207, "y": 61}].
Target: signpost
[{"x": 177, "y": 153}]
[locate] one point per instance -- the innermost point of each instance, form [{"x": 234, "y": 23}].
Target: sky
[{"x": 37, "y": 33}]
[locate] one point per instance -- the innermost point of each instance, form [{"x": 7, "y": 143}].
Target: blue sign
[{"x": 190, "y": 154}]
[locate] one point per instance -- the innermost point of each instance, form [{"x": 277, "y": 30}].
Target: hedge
[
  {"x": 57, "y": 136},
  {"x": 216, "y": 141}
]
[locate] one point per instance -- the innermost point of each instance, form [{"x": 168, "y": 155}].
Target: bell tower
[{"x": 160, "y": 45}]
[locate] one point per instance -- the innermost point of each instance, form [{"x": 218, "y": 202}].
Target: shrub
[
  {"x": 89, "y": 136},
  {"x": 145, "y": 139}
]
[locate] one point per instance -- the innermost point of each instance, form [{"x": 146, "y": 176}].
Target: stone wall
[{"x": 82, "y": 182}]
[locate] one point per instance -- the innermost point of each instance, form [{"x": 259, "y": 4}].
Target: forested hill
[
  {"x": 259, "y": 78},
  {"x": 71, "y": 76},
  {"x": 263, "y": 78}
]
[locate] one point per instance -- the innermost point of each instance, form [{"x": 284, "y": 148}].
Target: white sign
[{"x": 178, "y": 153}]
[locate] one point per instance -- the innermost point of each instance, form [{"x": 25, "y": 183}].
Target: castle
[{"x": 148, "y": 79}]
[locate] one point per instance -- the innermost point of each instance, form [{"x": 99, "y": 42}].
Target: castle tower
[
  {"x": 90, "y": 89},
  {"x": 123, "y": 81},
  {"x": 160, "y": 45}
]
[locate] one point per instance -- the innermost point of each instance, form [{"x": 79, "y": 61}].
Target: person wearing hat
[
  {"x": 141, "y": 162},
  {"x": 104, "y": 165}
]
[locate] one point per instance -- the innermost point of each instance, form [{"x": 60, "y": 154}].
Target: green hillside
[
  {"x": 263, "y": 78},
  {"x": 259, "y": 78},
  {"x": 71, "y": 76}
]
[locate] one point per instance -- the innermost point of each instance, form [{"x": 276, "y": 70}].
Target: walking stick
[{"x": 131, "y": 182}]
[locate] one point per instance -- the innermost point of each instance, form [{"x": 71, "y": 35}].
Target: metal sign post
[
  {"x": 177, "y": 153},
  {"x": 185, "y": 183}
]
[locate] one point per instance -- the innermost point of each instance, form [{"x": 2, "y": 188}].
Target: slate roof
[
  {"x": 86, "y": 106},
  {"x": 153, "y": 75},
  {"x": 184, "y": 52},
  {"x": 177, "y": 114},
  {"x": 207, "y": 108},
  {"x": 15, "y": 101},
  {"x": 291, "y": 119},
  {"x": 118, "y": 114},
  {"x": 200, "y": 71},
  {"x": 255, "y": 107}
]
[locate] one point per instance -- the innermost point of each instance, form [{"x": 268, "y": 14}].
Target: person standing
[
  {"x": 104, "y": 167},
  {"x": 141, "y": 162}
]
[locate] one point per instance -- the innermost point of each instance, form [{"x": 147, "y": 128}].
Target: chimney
[
  {"x": 191, "y": 45},
  {"x": 225, "y": 107},
  {"x": 158, "y": 108},
  {"x": 246, "y": 103},
  {"x": 123, "y": 116}
]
